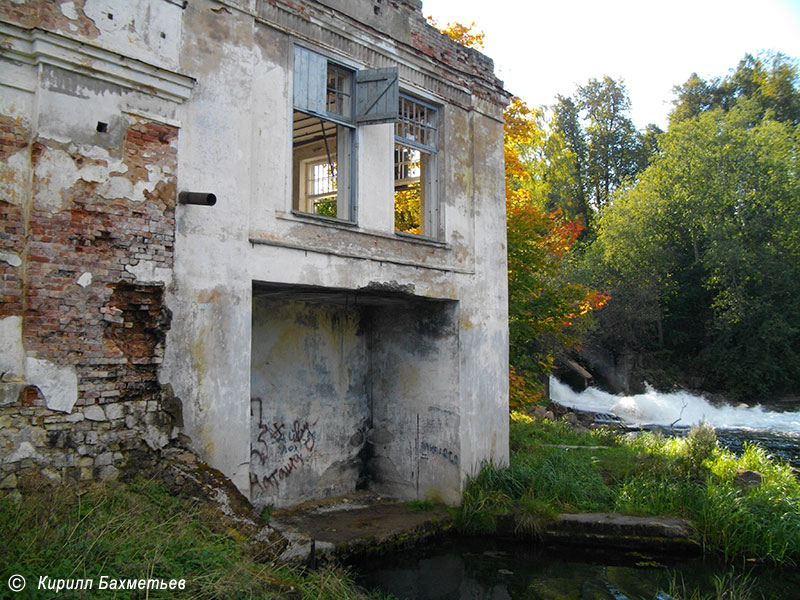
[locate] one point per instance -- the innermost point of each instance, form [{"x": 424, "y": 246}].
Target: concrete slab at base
[
  {"x": 664, "y": 534},
  {"x": 357, "y": 524}
]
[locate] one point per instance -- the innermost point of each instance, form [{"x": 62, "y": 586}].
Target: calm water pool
[{"x": 481, "y": 569}]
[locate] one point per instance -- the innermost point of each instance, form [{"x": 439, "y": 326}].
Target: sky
[{"x": 542, "y": 48}]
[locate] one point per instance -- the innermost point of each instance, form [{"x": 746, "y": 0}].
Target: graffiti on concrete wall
[
  {"x": 288, "y": 445},
  {"x": 431, "y": 451}
]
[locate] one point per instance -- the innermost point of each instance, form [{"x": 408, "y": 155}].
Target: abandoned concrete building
[{"x": 273, "y": 230}]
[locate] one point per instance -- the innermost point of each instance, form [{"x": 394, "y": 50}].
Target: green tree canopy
[
  {"x": 710, "y": 233},
  {"x": 612, "y": 140},
  {"x": 601, "y": 150},
  {"x": 770, "y": 81}
]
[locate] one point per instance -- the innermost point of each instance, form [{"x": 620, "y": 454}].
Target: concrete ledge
[
  {"x": 663, "y": 534},
  {"x": 356, "y": 525},
  {"x": 364, "y": 524}
]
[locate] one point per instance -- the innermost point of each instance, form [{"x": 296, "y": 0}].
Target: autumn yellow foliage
[
  {"x": 462, "y": 34},
  {"x": 547, "y": 312}
]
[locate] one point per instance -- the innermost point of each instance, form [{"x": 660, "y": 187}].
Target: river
[{"x": 778, "y": 432}]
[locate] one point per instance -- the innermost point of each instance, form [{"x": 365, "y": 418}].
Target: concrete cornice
[{"x": 41, "y": 47}]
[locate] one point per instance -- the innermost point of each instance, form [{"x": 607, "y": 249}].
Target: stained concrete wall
[
  {"x": 352, "y": 391},
  {"x": 309, "y": 410},
  {"x": 414, "y": 393},
  {"x": 198, "y": 97}
]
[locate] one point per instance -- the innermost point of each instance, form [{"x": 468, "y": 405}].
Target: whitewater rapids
[{"x": 682, "y": 409}]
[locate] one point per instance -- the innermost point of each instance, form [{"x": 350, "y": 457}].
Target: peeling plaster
[
  {"x": 12, "y": 352},
  {"x": 144, "y": 28},
  {"x": 13, "y": 176},
  {"x": 59, "y": 385},
  {"x": 10, "y": 258},
  {"x": 148, "y": 271},
  {"x": 68, "y": 10},
  {"x": 57, "y": 171}
]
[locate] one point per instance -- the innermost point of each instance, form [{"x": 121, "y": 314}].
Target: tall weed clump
[
  {"x": 694, "y": 478},
  {"x": 489, "y": 495},
  {"x": 762, "y": 521},
  {"x": 727, "y": 586}
]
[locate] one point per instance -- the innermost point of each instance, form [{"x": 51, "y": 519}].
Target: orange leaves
[
  {"x": 563, "y": 234},
  {"x": 584, "y": 306},
  {"x": 548, "y": 313}
]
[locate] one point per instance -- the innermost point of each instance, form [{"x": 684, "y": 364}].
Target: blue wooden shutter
[
  {"x": 310, "y": 72},
  {"x": 377, "y": 95}
]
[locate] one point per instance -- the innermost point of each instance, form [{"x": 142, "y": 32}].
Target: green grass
[
  {"x": 421, "y": 505},
  {"x": 728, "y": 586},
  {"x": 138, "y": 530},
  {"x": 689, "y": 477}
]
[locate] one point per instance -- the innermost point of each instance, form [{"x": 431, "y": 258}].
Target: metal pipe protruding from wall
[{"x": 199, "y": 198}]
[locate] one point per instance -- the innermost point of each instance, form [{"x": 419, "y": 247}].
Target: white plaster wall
[
  {"x": 207, "y": 358},
  {"x": 143, "y": 29},
  {"x": 235, "y": 141},
  {"x": 376, "y": 177},
  {"x": 12, "y": 350},
  {"x": 271, "y": 179},
  {"x": 484, "y": 311}
]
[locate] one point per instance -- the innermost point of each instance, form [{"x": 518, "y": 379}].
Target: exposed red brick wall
[
  {"x": 65, "y": 322},
  {"x": 111, "y": 327},
  {"x": 47, "y": 14},
  {"x": 14, "y": 138},
  {"x": 463, "y": 66},
  {"x": 12, "y": 234}
]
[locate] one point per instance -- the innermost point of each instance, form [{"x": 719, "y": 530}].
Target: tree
[
  {"x": 601, "y": 149},
  {"x": 613, "y": 144},
  {"x": 710, "y": 234},
  {"x": 770, "y": 80},
  {"x": 466, "y": 35},
  {"x": 567, "y": 125},
  {"x": 547, "y": 313}
]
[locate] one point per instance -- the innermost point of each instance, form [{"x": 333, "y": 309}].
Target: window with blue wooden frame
[
  {"x": 330, "y": 101},
  {"x": 416, "y": 181}
]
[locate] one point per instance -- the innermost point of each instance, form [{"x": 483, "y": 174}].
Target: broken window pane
[{"x": 416, "y": 122}]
